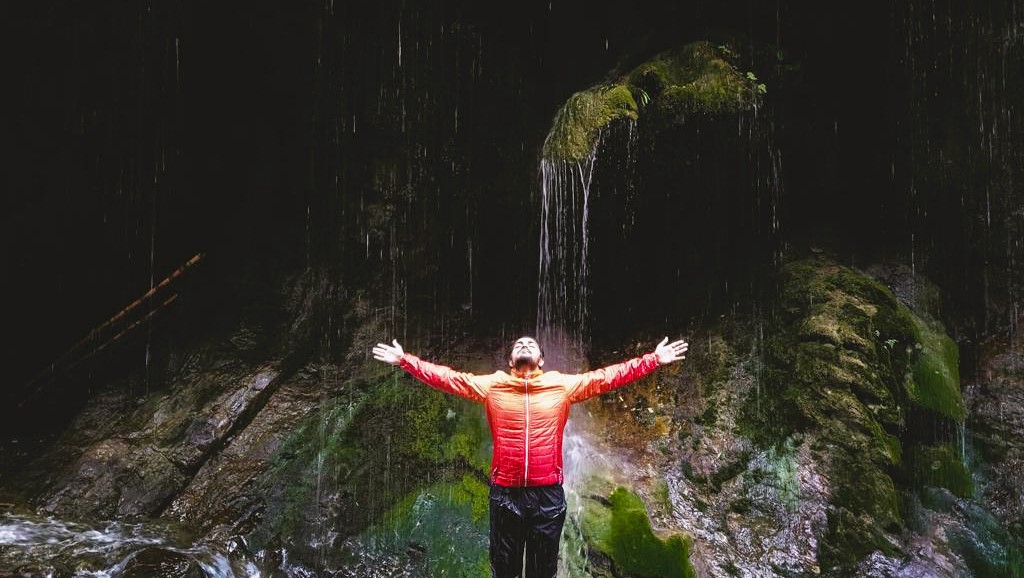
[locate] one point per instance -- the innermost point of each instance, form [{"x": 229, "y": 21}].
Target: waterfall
[
  {"x": 562, "y": 322},
  {"x": 564, "y": 244},
  {"x": 562, "y": 311}
]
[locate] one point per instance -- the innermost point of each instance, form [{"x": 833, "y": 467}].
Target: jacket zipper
[{"x": 526, "y": 437}]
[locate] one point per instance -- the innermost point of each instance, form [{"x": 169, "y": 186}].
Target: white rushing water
[
  {"x": 44, "y": 546},
  {"x": 562, "y": 326},
  {"x": 564, "y": 245}
]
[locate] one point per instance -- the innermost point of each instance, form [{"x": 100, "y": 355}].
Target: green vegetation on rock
[
  {"x": 941, "y": 466},
  {"x": 579, "y": 122},
  {"x": 362, "y": 453},
  {"x": 697, "y": 77},
  {"x": 935, "y": 378},
  {"x": 849, "y": 363},
  {"x": 446, "y": 523},
  {"x": 621, "y": 529},
  {"x": 694, "y": 79}
]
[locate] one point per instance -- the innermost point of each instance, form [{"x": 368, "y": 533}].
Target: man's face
[{"x": 525, "y": 352}]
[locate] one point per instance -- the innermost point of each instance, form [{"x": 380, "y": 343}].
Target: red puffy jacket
[{"x": 527, "y": 411}]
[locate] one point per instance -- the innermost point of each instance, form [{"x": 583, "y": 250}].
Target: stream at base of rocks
[{"x": 37, "y": 546}]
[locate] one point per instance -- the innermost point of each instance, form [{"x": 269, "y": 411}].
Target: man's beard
[{"x": 524, "y": 362}]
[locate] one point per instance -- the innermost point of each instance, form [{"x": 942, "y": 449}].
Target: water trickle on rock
[{"x": 564, "y": 244}]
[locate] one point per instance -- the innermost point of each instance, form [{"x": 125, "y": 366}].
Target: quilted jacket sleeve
[
  {"x": 446, "y": 379},
  {"x": 591, "y": 383}
]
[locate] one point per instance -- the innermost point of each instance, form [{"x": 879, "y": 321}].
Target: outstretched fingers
[
  {"x": 669, "y": 352},
  {"x": 387, "y": 353}
]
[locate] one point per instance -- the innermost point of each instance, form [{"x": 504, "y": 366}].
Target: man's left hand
[{"x": 669, "y": 352}]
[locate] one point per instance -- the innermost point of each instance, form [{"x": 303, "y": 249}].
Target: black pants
[{"x": 529, "y": 517}]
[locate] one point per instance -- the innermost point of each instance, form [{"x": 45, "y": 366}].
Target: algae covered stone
[
  {"x": 847, "y": 362},
  {"x": 620, "y": 528},
  {"x": 580, "y": 121},
  {"x": 697, "y": 78},
  {"x": 934, "y": 382},
  {"x": 375, "y": 447},
  {"x": 942, "y": 466},
  {"x": 445, "y": 525}
]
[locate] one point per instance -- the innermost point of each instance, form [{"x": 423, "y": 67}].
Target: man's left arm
[{"x": 591, "y": 383}]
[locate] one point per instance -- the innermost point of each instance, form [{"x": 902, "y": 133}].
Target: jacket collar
[{"x": 526, "y": 374}]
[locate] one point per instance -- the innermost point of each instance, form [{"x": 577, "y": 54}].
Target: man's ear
[
  {"x": 540, "y": 363},
  {"x": 510, "y": 364}
]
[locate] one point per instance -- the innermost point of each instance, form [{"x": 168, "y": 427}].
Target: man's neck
[{"x": 525, "y": 368}]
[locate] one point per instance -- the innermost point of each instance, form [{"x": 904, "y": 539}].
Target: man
[{"x": 527, "y": 411}]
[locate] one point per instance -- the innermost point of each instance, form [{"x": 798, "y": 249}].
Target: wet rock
[
  {"x": 996, "y": 424},
  {"x": 798, "y": 453},
  {"x": 114, "y": 478},
  {"x": 617, "y": 526},
  {"x": 695, "y": 79},
  {"x": 225, "y": 490},
  {"x": 103, "y": 467},
  {"x": 152, "y": 562}
]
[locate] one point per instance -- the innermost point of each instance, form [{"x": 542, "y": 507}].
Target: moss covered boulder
[
  {"x": 368, "y": 458},
  {"x": 442, "y": 529},
  {"x": 696, "y": 79},
  {"x": 616, "y": 525},
  {"x": 874, "y": 382}
]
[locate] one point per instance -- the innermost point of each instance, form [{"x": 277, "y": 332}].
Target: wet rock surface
[
  {"x": 885, "y": 496},
  {"x": 996, "y": 426},
  {"x": 778, "y": 441},
  {"x": 133, "y": 466}
]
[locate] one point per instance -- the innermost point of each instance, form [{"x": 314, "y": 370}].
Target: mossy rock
[
  {"x": 934, "y": 380},
  {"x": 579, "y": 123},
  {"x": 446, "y": 526},
  {"x": 982, "y": 541},
  {"x": 694, "y": 79},
  {"x": 620, "y": 528},
  {"x": 381, "y": 442},
  {"x": 849, "y": 363},
  {"x": 940, "y": 466}
]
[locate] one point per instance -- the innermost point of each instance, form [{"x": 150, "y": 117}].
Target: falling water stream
[
  {"x": 564, "y": 244},
  {"x": 562, "y": 316}
]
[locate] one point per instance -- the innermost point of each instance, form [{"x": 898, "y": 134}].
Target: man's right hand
[{"x": 387, "y": 353}]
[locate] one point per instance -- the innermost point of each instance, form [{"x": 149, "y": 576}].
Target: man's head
[{"x": 526, "y": 354}]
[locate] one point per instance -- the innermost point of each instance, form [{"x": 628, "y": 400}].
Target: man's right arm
[{"x": 446, "y": 379}]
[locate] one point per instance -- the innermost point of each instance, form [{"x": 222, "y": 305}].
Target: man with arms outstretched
[{"x": 527, "y": 411}]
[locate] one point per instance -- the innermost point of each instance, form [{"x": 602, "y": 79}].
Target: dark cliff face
[
  {"x": 395, "y": 146},
  {"x": 352, "y": 172}
]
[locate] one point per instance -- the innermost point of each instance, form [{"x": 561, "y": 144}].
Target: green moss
[
  {"x": 622, "y": 530},
  {"x": 580, "y": 121},
  {"x": 384, "y": 439},
  {"x": 849, "y": 363},
  {"x": 782, "y": 467},
  {"x": 934, "y": 382},
  {"x": 940, "y": 466},
  {"x": 474, "y": 493},
  {"x": 446, "y": 523},
  {"x": 835, "y": 361},
  {"x": 662, "y": 497},
  {"x": 694, "y": 79}
]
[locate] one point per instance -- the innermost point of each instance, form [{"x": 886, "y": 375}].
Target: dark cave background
[{"x": 400, "y": 141}]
